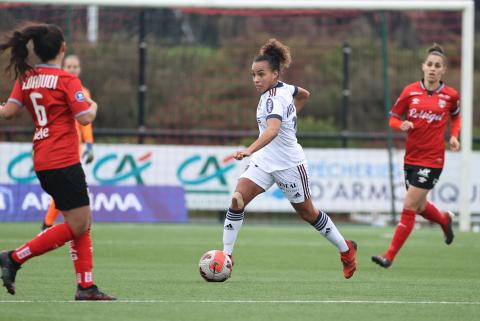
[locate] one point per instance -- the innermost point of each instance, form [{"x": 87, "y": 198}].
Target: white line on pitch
[{"x": 256, "y": 301}]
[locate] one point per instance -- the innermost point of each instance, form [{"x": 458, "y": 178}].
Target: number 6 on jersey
[{"x": 39, "y": 109}]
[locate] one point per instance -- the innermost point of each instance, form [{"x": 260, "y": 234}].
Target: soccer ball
[{"x": 215, "y": 266}]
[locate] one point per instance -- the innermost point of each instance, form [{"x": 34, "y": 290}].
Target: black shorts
[
  {"x": 420, "y": 176},
  {"x": 67, "y": 186}
]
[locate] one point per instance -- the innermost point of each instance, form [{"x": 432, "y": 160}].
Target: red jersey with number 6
[
  {"x": 429, "y": 112},
  {"x": 54, "y": 98}
]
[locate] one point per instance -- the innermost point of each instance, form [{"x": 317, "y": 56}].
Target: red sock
[
  {"x": 81, "y": 252},
  {"x": 404, "y": 227},
  {"x": 432, "y": 214},
  {"x": 47, "y": 240}
]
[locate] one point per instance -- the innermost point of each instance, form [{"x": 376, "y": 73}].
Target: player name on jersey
[
  {"x": 41, "y": 133},
  {"x": 40, "y": 81}
]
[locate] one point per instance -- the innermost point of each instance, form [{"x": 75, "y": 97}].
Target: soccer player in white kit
[{"x": 277, "y": 157}]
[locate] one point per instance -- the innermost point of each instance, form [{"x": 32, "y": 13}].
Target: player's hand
[
  {"x": 241, "y": 154},
  {"x": 406, "y": 126},
  {"x": 454, "y": 144},
  {"x": 87, "y": 155}
]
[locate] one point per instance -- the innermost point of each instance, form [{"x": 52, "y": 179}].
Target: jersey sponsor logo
[
  {"x": 269, "y": 105},
  {"x": 415, "y": 101},
  {"x": 40, "y": 81},
  {"x": 427, "y": 115},
  {"x": 41, "y": 133},
  {"x": 442, "y": 103},
  {"x": 425, "y": 172},
  {"x": 79, "y": 96}
]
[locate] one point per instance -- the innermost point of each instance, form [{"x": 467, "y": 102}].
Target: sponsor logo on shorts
[
  {"x": 425, "y": 172},
  {"x": 422, "y": 179}
]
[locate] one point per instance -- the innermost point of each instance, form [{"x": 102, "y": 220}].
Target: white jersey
[{"x": 283, "y": 151}]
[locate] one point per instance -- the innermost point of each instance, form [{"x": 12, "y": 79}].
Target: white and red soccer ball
[{"x": 215, "y": 266}]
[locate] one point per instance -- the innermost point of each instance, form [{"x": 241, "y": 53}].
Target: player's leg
[
  {"x": 295, "y": 185},
  {"x": 82, "y": 256},
  {"x": 251, "y": 183},
  {"x": 323, "y": 224},
  {"x": 47, "y": 240},
  {"x": 55, "y": 183},
  {"x": 445, "y": 219},
  {"x": 430, "y": 212},
  {"x": 414, "y": 199},
  {"x": 51, "y": 216}
]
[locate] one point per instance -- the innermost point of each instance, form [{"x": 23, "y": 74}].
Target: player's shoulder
[
  {"x": 281, "y": 91},
  {"x": 414, "y": 88},
  {"x": 449, "y": 91}
]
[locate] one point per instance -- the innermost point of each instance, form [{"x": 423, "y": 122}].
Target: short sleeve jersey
[
  {"x": 429, "y": 112},
  {"x": 283, "y": 151},
  {"x": 54, "y": 98}
]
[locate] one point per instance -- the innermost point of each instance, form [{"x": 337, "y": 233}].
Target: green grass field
[{"x": 280, "y": 273}]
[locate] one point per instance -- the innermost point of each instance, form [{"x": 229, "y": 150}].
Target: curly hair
[{"x": 276, "y": 54}]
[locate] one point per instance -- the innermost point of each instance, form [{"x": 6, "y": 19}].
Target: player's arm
[
  {"x": 396, "y": 120},
  {"x": 300, "y": 98},
  {"x": 14, "y": 104},
  {"x": 455, "y": 125},
  {"x": 83, "y": 108},
  {"x": 88, "y": 116},
  {"x": 9, "y": 109},
  {"x": 273, "y": 127}
]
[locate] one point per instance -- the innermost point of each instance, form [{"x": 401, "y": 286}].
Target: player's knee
[{"x": 237, "y": 201}]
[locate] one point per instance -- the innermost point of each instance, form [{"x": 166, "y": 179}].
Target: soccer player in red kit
[
  {"x": 427, "y": 106},
  {"x": 55, "y": 99}
]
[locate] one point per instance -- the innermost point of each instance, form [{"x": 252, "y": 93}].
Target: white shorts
[{"x": 293, "y": 182}]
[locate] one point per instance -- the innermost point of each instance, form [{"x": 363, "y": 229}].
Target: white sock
[
  {"x": 233, "y": 223},
  {"x": 325, "y": 226}
]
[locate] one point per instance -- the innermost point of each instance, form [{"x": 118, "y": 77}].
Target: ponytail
[
  {"x": 47, "y": 40},
  {"x": 276, "y": 54}
]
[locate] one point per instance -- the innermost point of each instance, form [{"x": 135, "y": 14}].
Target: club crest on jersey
[
  {"x": 79, "y": 96},
  {"x": 269, "y": 105},
  {"x": 442, "y": 103}
]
